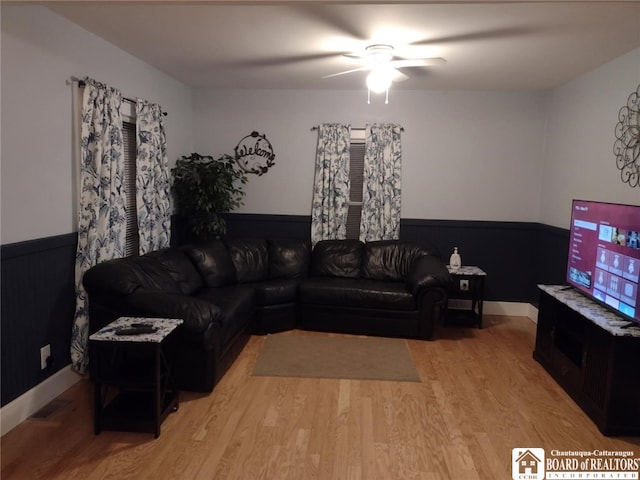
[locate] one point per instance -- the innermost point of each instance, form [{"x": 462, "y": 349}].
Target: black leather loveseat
[
  {"x": 387, "y": 288},
  {"x": 226, "y": 290}
]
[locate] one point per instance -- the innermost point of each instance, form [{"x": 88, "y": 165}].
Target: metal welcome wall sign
[{"x": 254, "y": 154}]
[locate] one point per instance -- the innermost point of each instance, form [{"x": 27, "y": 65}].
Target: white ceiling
[{"x": 499, "y": 45}]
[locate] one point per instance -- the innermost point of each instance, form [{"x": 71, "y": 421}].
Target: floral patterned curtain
[
  {"x": 380, "y": 219},
  {"x": 331, "y": 183},
  {"x": 152, "y": 179},
  {"x": 101, "y": 213}
]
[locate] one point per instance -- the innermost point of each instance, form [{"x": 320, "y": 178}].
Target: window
[
  {"x": 356, "y": 178},
  {"x": 132, "y": 243}
]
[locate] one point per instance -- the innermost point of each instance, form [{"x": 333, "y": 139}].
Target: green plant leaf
[{"x": 205, "y": 188}]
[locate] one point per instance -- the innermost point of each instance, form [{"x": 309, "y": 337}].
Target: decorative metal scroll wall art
[
  {"x": 254, "y": 154},
  {"x": 627, "y": 144}
]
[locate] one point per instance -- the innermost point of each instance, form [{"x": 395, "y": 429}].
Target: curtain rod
[
  {"x": 316, "y": 128},
  {"x": 81, "y": 83}
]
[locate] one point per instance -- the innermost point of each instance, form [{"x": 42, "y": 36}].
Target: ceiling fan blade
[
  {"x": 418, "y": 62},
  {"x": 352, "y": 57},
  {"x": 482, "y": 35},
  {"x": 280, "y": 61},
  {"x": 398, "y": 76},
  {"x": 328, "y": 15},
  {"x": 359, "y": 69}
]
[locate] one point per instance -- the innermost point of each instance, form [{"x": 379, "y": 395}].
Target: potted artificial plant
[{"x": 205, "y": 188}]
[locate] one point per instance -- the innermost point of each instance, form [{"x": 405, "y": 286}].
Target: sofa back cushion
[
  {"x": 124, "y": 276},
  {"x": 392, "y": 259},
  {"x": 153, "y": 276},
  {"x": 337, "y": 258},
  {"x": 178, "y": 265},
  {"x": 119, "y": 277},
  {"x": 250, "y": 258},
  {"x": 213, "y": 261},
  {"x": 289, "y": 258}
]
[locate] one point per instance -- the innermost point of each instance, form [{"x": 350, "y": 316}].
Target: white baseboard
[
  {"x": 30, "y": 402},
  {"x": 515, "y": 309}
]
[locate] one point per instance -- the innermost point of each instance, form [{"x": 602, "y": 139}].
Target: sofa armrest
[
  {"x": 197, "y": 314},
  {"x": 428, "y": 271}
]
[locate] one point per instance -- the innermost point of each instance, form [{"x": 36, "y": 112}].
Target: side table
[
  {"x": 131, "y": 376},
  {"x": 475, "y": 278}
]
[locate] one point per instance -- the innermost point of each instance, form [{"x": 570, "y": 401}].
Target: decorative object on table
[
  {"x": 205, "y": 188},
  {"x": 627, "y": 145},
  {"x": 455, "y": 262},
  {"x": 254, "y": 154}
]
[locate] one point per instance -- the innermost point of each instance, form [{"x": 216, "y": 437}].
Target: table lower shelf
[
  {"x": 133, "y": 411},
  {"x": 462, "y": 318}
]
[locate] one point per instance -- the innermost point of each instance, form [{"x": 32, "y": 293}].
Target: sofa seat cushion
[
  {"x": 353, "y": 292},
  {"x": 275, "y": 292},
  {"x": 237, "y": 303}
]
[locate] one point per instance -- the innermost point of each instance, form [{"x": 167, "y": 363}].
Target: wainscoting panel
[
  {"x": 249, "y": 225},
  {"x": 516, "y": 255},
  {"x": 38, "y": 303},
  {"x": 552, "y": 252},
  {"x": 268, "y": 226}
]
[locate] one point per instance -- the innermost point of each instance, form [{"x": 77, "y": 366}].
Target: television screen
[{"x": 604, "y": 254}]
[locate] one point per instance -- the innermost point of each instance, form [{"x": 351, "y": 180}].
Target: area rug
[{"x": 370, "y": 358}]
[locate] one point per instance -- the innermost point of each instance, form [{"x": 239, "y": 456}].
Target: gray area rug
[{"x": 371, "y": 358}]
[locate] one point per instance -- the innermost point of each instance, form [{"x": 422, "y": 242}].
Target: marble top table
[
  {"x": 470, "y": 270},
  {"x": 163, "y": 326},
  {"x": 598, "y": 314}
]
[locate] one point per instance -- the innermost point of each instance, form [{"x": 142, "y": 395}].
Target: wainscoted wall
[
  {"x": 516, "y": 255},
  {"x": 38, "y": 302},
  {"x": 38, "y": 297},
  {"x": 257, "y": 225}
]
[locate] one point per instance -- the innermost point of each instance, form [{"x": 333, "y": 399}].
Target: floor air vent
[{"x": 50, "y": 409}]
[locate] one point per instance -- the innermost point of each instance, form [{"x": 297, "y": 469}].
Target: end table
[
  {"x": 131, "y": 375},
  {"x": 475, "y": 277}
]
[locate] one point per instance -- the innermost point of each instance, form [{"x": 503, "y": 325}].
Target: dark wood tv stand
[{"x": 593, "y": 355}]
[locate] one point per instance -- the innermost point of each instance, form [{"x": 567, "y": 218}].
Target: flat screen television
[{"x": 604, "y": 255}]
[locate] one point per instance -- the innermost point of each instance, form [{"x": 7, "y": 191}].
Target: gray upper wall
[
  {"x": 579, "y": 160},
  {"x": 41, "y": 51},
  {"x": 465, "y": 155},
  {"x": 504, "y": 156}
]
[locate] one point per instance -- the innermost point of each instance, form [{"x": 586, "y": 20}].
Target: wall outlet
[
  {"x": 464, "y": 285},
  {"x": 45, "y": 354}
]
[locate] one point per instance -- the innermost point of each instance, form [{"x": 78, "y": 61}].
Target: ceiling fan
[{"x": 379, "y": 60}]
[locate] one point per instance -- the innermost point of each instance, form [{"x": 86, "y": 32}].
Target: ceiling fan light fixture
[
  {"x": 379, "y": 79},
  {"x": 379, "y": 54}
]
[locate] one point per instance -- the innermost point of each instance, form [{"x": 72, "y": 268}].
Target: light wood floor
[{"x": 481, "y": 395}]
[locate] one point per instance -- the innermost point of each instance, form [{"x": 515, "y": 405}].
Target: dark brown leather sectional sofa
[{"x": 227, "y": 290}]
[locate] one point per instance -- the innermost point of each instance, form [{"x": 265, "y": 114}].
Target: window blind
[
  {"x": 132, "y": 242},
  {"x": 356, "y": 177}
]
